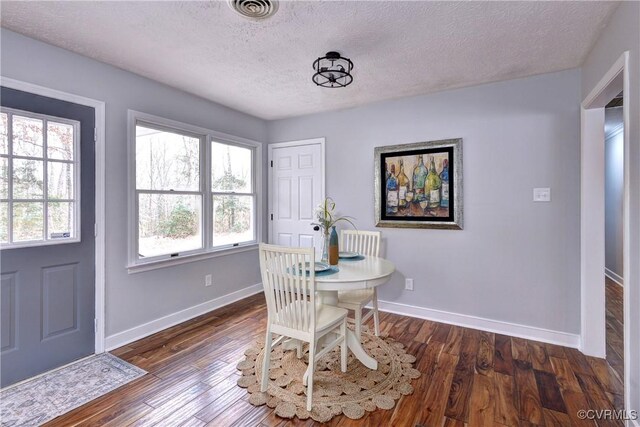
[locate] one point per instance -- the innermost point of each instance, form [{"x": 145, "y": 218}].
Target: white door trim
[
  {"x": 99, "y": 107},
  {"x": 593, "y": 333},
  {"x": 312, "y": 141}
]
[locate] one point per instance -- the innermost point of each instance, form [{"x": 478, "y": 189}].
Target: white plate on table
[
  {"x": 318, "y": 266},
  {"x": 348, "y": 255}
]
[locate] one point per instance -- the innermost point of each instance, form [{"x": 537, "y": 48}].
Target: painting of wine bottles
[{"x": 419, "y": 185}]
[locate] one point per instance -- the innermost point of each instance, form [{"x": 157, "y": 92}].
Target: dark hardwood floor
[
  {"x": 470, "y": 377},
  {"x": 615, "y": 330}
]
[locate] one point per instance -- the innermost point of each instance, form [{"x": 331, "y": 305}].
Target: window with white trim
[
  {"x": 194, "y": 191},
  {"x": 39, "y": 179}
]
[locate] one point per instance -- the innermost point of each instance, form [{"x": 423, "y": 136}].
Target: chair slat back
[
  {"x": 363, "y": 242},
  {"x": 288, "y": 288}
]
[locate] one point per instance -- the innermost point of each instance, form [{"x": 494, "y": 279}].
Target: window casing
[
  {"x": 39, "y": 179},
  {"x": 193, "y": 192}
]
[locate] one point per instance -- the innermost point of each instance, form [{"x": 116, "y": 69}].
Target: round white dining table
[{"x": 353, "y": 275}]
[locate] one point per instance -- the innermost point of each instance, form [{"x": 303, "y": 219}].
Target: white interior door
[{"x": 296, "y": 188}]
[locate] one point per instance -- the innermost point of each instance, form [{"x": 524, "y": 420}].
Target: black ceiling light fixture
[{"x": 333, "y": 70}]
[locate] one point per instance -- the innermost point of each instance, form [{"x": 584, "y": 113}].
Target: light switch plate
[{"x": 541, "y": 194}]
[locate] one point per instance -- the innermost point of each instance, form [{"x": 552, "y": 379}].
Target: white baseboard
[
  {"x": 613, "y": 276},
  {"x": 149, "y": 328},
  {"x": 506, "y": 328}
]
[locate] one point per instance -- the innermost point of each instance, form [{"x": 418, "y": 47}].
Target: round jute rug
[{"x": 352, "y": 393}]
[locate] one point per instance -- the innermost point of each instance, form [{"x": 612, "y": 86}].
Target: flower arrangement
[
  {"x": 326, "y": 216},
  {"x": 326, "y": 219}
]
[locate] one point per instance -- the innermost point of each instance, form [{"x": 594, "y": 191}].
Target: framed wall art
[{"x": 419, "y": 185}]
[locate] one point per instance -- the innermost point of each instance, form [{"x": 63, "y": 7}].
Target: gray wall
[
  {"x": 623, "y": 34},
  {"x": 614, "y": 190},
  {"x": 516, "y": 261},
  {"x": 132, "y": 300}
]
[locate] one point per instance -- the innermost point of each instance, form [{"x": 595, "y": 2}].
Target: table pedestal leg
[
  {"x": 353, "y": 342},
  {"x": 355, "y": 346}
]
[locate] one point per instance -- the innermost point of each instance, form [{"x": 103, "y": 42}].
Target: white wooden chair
[
  {"x": 293, "y": 312},
  {"x": 365, "y": 243}
]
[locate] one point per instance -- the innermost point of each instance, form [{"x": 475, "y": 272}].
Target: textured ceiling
[{"x": 264, "y": 68}]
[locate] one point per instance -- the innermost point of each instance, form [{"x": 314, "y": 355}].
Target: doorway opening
[
  {"x": 614, "y": 234},
  {"x": 605, "y": 311}
]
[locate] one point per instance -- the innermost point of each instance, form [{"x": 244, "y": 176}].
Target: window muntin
[
  {"x": 194, "y": 193},
  {"x": 39, "y": 189}
]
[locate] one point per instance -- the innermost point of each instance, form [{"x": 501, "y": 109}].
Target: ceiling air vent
[{"x": 254, "y": 9}]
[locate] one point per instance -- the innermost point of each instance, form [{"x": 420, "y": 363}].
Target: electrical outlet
[
  {"x": 207, "y": 280},
  {"x": 408, "y": 284}
]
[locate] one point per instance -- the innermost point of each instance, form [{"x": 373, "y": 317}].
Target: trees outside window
[
  {"x": 39, "y": 161},
  {"x": 192, "y": 194}
]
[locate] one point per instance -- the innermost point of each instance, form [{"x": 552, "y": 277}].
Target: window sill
[
  {"x": 154, "y": 265},
  {"x": 37, "y": 243}
]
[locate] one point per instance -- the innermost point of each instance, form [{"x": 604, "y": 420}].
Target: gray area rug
[{"x": 36, "y": 401}]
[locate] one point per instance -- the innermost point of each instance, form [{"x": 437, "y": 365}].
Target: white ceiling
[{"x": 264, "y": 68}]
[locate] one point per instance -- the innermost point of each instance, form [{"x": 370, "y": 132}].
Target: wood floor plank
[
  {"x": 576, "y": 402},
  {"x": 578, "y": 362},
  {"x": 529, "y": 405},
  {"x": 459, "y": 393},
  {"x": 454, "y": 340},
  {"x": 615, "y": 361},
  {"x": 441, "y": 333},
  {"x": 428, "y": 363},
  {"x": 252, "y": 416},
  {"x": 411, "y": 330},
  {"x": 555, "y": 351},
  {"x": 539, "y": 357},
  {"x": 503, "y": 360},
  {"x": 221, "y": 405},
  {"x": 506, "y": 400},
  {"x": 434, "y": 401},
  {"x": 597, "y": 398},
  {"x": 606, "y": 375},
  {"x": 129, "y": 416},
  {"x": 185, "y": 385},
  {"x": 426, "y": 330},
  {"x": 462, "y": 383},
  {"x": 564, "y": 374},
  {"x": 118, "y": 415},
  {"x": 520, "y": 349},
  {"x": 486, "y": 350},
  {"x": 407, "y": 405},
  {"x": 173, "y": 404},
  {"x": 549, "y": 390},
  {"x": 191, "y": 408},
  {"x": 481, "y": 405}
]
